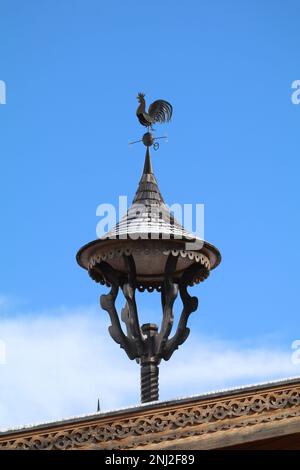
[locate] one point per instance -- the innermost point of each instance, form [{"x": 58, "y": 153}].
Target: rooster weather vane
[{"x": 160, "y": 111}]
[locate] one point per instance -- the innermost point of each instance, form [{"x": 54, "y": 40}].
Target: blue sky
[{"x": 72, "y": 71}]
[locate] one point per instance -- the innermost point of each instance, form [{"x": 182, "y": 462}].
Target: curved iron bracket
[
  {"x": 107, "y": 302},
  {"x": 190, "y": 304},
  {"x": 168, "y": 296}
]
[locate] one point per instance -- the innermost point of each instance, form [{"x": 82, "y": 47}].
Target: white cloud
[{"x": 58, "y": 363}]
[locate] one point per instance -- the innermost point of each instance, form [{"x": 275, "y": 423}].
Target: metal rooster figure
[{"x": 160, "y": 111}]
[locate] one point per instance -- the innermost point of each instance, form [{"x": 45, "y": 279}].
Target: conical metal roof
[{"x": 149, "y": 216}]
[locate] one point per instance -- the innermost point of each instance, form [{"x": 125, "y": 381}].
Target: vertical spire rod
[{"x": 148, "y": 165}]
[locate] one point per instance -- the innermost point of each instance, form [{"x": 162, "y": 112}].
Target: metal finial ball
[{"x": 148, "y": 139}]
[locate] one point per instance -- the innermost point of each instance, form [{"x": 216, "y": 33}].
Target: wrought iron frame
[{"x": 147, "y": 344}]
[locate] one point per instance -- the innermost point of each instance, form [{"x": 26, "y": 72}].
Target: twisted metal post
[
  {"x": 149, "y": 382},
  {"x": 149, "y": 362}
]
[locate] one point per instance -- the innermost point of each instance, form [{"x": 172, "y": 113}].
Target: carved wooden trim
[
  {"x": 162, "y": 424},
  {"x": 192, "y": 255}
]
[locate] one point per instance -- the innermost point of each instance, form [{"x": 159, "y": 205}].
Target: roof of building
[{"x": 213, "y": 420}]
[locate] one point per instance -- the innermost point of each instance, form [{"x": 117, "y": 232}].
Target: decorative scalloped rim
[
  {"x": 192, "y": 255},
  {"x": 150, "y": 287}
]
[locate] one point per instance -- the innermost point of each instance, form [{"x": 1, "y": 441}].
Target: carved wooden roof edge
[{"x": 144, "y": 409}]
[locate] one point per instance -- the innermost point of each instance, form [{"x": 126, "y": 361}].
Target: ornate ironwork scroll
[{"x": 147, "y": 344}]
